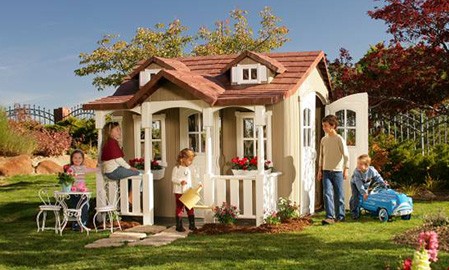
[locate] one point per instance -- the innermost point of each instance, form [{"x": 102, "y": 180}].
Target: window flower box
[
  {"x": 156, "y": 169},
  {"x": 158, "y": 174},
  {"x": 248, "y": 166},
  {"x": 248, "y": 172}
]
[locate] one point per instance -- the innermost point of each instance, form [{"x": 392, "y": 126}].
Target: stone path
[{"x": 138, "y": 236}]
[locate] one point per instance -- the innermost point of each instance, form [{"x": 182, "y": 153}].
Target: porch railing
[{"x": 241, "y": 191}]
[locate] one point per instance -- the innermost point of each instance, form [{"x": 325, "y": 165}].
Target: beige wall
[{"x": 170, "y": 91}]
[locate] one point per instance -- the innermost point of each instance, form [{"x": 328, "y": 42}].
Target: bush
[
  {"x": 287, "y": 209},
  {"x": 14, "y": 142},
  {"x": 52, "y": 143},
  {"x": 405, "y": 165},
  {"x": 272, "y": 219}
]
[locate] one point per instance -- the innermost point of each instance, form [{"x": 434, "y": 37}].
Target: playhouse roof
[{"x": 208, "y": 79}]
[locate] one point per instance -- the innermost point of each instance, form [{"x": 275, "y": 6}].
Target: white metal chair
[
  {"x": 47, "y": 206},
  {"x": 109, "y": 208}
]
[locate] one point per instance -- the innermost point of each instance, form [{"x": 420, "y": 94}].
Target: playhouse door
[
  {"x": 308, "y": 153},
  {"x": 352, "y": 114}
]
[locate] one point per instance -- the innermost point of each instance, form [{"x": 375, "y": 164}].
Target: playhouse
[{"x": 251, "y": 104}]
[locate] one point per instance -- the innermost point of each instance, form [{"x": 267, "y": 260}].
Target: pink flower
[
  {"x": 73, "y": 188},
  {"x": 429, "y": 240}
]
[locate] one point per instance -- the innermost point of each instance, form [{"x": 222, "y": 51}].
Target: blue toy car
[{"x": 386, "y": 203}]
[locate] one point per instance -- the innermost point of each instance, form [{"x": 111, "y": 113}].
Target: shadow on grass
[{"x": 16, "y": 186}]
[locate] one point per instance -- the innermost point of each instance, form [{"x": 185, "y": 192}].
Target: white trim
[{"x": 145, "y": 76}]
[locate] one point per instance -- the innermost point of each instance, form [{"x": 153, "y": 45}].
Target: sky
[{"x": 40, "y": 41}]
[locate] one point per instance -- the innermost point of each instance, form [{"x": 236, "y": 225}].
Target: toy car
[{"x": 386, "y": 203}]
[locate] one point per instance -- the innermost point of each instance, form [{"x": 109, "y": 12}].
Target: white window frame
[
  {"x": 139, "y": 141},
  {"x": 240, "y": 116},
  {"x": 237, "y": 74},
  {"x": 201, "y": 132},
  {"x": 145, "y": 76},
  {"x": 344, "y": 127}
]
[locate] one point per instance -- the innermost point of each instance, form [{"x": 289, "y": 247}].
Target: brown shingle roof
[{"x": 203, "y": 77}]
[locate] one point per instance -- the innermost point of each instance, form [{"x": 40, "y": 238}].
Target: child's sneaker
[{"x": 328, "y": 221}]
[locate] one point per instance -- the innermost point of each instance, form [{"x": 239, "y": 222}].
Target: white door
[
  {"x": 352, "y": 114},
  {"x": 308, "y": 153}
]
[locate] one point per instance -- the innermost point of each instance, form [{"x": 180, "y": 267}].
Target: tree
[
  {"x": 115, "y": 58},
  {"x": 416, "y": 21},
  {"x": 226, "y": 40},
  {"x": 410, "y": 72}
]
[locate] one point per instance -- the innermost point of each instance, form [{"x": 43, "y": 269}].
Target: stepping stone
[
  {"x": 148, "y": 229},
  {"x": 163, "y": 238},
  {"x": 128, "y": 235}
]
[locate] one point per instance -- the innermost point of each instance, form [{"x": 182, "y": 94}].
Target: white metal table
[{"x": 72, "y": 214}]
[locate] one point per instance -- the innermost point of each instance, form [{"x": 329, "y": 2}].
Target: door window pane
[
  {"x": 346, "y": 127},
  {"x": 193, "y": 142},
  {"x": 350, "y": 118},
  {"x": 350, "y": 137}
]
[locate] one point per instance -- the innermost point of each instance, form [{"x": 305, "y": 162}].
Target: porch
[{"x": 253, "y": 195}]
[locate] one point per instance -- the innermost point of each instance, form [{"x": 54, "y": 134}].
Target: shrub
[
  {"x": 52, "y": 143},
  {"x": 12, "y": 141},
  {"x": 437, "y": 220},
  {"x": 272, "y": 218},
  {"x": 226, "y": 214},
  {"x": 287, "y": 209}
]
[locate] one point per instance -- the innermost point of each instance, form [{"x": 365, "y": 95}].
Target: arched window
[
  {"x": 307, "y": 128},
  {"x": 347, "y": 126}
]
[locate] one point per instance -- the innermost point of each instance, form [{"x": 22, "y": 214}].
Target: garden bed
[
  {"x": 410, "y": 237},
  {"x": 292, "y": 225}
]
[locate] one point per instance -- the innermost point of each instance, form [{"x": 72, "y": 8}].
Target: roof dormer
[
  {"x": 146, "y": 74},
  {"x": 253, "y": 68}
]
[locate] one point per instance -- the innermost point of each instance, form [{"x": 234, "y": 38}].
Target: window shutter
[
  {"x": 144, "y": 77},
  {"x": 262, "y": 73},
  {"x": 236, "y": 75}
]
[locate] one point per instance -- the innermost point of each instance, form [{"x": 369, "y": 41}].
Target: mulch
[
  {"x": 410, "y": 237},
  {"x": 292, "y": 225}
]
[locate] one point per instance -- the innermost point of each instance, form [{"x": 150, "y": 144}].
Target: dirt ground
[
  {"x": 410, "y": 237},
  {"x": 296, "y": 224}
]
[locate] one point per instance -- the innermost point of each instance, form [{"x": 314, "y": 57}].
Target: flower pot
[
  {"x": 158, "y": 174},
  {"x": 66, "y": 188}
]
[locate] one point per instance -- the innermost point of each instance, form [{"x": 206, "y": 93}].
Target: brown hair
[
  {"x": 184, "y": 153},
  {"x": 107, "y": 131},
  {"x": 76, "y": 151},
  {"x": 331, "y": 120},
  {"x": 365, "y": 159}
]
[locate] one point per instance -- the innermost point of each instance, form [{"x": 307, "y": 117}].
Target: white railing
[
  {"x": 142, "y": 199},
  {"x": 241, "y": 191}
]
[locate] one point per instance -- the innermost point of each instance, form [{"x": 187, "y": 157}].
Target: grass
[{"x": 350, "y": 245}]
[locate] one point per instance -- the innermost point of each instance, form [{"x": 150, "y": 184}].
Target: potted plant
[
  {"x": 248, "y": 166},
  {"x": 66, "y": 179},
  {"x": 157, "y": 170}
]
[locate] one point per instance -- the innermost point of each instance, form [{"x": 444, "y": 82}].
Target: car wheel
[
  {"x": 406, "y": 217},
  {"x": 383, "y": 215}
]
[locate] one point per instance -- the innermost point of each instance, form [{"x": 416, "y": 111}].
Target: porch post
[
  {"x": 208, "y": 181},
  {"x": 99, "y": 181},
  {"x": 147, "y": 179},
  {"x": 261, "y": 177}
]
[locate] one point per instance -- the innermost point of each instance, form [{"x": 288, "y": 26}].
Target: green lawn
[{"x": 350, "y": 245}]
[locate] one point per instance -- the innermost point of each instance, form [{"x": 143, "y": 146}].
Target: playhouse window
[
  {"x": 157, "y": 138},
  {"x": 247, "y": 136},
  {"x": 307, "y": 128},
  {"x": 347, "y": 126},
  {"x": 249, "y": 74},
  {"x": 197, "y": 137}
]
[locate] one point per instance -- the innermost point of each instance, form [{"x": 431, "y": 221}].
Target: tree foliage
[
  {"x": 114, "y": 58},
  {"x": 412, "y": 71},
  {"x": 233, "y": 35}
]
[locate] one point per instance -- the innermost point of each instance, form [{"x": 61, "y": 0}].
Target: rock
[
  {"x": 16, "y": 166},
  {"x": 89, "y": 162},
  {"x": 106, "y": 242},
  {"x": 148, "y": 229},
  {"x": 48, "y": 167},
  {"x": 128, "y": 235}
]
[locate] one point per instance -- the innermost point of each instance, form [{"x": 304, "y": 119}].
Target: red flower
[{"x": 407, "y": 265}]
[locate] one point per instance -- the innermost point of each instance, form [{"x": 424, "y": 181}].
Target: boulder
[
  {"x": 89, "y": 162},
  {"x": 48, "y": 167},
  {"x": 16, "y": 166}
]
